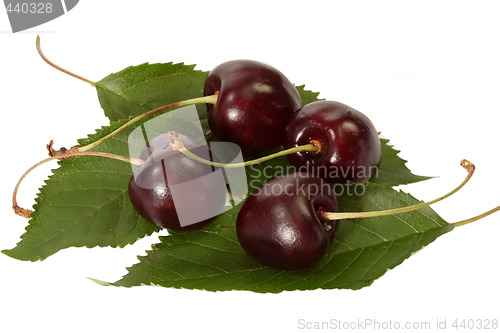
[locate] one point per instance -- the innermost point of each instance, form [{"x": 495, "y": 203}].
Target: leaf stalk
[
  {"x": 476, "y": 218},
  {"x": 39, "y": 49}
]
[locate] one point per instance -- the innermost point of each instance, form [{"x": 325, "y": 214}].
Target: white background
[{"x": 426, "y": 73}]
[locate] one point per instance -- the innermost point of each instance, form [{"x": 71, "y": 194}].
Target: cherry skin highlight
[
  {"x": 278, "y": 225},
  {"x": 254, "y": 104},
  {"x": 350, "y": 146},
  {"x": 170, "y": 183}
]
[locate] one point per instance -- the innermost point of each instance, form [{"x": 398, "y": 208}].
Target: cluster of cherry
[{"x": 284, "y": 223}]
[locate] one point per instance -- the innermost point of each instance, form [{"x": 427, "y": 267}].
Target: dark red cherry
[
  {"x": 350, "y": 146},
  {"x": 174, "y": 191},
  {"x": 278, "y": 225},
  {"x": 254, "y": 105}
]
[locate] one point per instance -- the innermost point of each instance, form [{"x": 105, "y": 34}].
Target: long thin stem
[
  {"x": 26, "y": 212},
  {"x": 176, "y": 144},
  {"x": 354, "y": 215},
  {"x": 39, "y": 49},
  {"x": 211, "y": 99},
  {"x": 474, "y": 219},
  {"x": 308, "y": 147}
]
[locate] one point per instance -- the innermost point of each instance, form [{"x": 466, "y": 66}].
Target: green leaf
[
  {"x": 307, "y": 96},
  {"x": 138, "y": 89},
  {"x": 363, "y": 250}
]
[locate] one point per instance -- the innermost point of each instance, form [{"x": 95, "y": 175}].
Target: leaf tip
[{"x": 100, "y": 282}]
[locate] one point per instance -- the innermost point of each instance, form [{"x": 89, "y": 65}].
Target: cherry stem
[
  {"x": 60, "y": 155},
  {"x": 211, "y": 99},
  {"x": 355, "y": 215},
  {"x": 176, "y": 144},
  {"x": 39, "y": 49}
]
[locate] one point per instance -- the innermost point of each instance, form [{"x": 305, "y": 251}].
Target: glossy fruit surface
[
  {"x": 350, "y": 146},
  {"x": 278, "y": 224},
  {"x": 174, "y": 191},
  {"x": 254, "y": 105}
]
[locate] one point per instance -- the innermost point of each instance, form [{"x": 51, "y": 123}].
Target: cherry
[
  {"x": 278, "y": 225},
  {"x": 290, "y": 220},
  {"x": 254, "y": 104},
  {"x": 170, "y": 184},
  {"x": 349, "y": 144}
]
